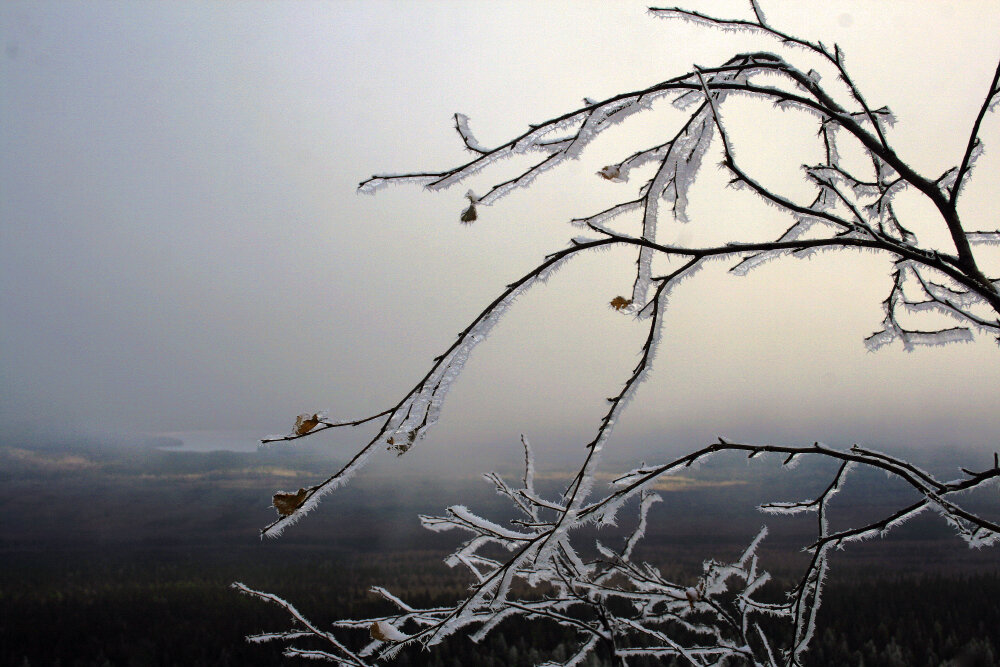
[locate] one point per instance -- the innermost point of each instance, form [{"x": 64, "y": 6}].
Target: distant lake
[{"x": 214, "y": 440}]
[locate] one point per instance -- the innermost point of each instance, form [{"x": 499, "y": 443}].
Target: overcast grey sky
[{"x": 181, "y": 245}]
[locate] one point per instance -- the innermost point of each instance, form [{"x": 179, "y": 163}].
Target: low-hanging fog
[{"x": 182, "y": 248}]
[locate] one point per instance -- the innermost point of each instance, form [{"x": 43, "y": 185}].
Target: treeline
[
  {"x": 925, "y": 622},
  {"x": 166, "y": 608}
]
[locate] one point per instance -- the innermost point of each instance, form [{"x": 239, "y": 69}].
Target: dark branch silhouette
[{"x": 614, "y": 604}]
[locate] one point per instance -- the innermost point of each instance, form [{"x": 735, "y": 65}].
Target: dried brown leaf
[
  {"x": 402, "y": 447},
  {"x": 612, "y": 172},
  {"x": 692, "y": 595},
  {"x": 620, "y": 302},
  {"x": 469, "y": 214},
  {"x": 287, "y": 503},
  {"x": 305, "y": 423}
]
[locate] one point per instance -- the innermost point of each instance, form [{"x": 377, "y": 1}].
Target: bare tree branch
[{"x": 615, "y": 604}]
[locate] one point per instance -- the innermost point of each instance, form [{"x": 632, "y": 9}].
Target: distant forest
[
  {"x": 162, "y": 608},
  {"x": 114, "y": 555}
]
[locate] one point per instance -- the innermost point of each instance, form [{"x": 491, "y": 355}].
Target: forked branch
[{"x": 614, "y": 604}]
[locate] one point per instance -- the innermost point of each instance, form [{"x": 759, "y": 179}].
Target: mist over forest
[
  {"x": 185, "y": 265},
  {"x": 128, "y": 546}
]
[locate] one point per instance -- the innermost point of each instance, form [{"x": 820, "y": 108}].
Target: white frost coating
[
  {"x": 437, "y": 524},
  {"x": 383, "y": 593},
  {"x": 702, "y": 21},
  {"x": 876, "y": 533},
  {"x": 802, "y": 226},
  {"x": 885, "y": 117},
  {"x": 340, "y": 479},
  {"x": 490, "y": 625},
  {"x": 529, "y": 466},
  {"x": 648, "y": 499},
  {"x": 388, "y": 632},
  {"x": 421, "y": 409},
  {"x": 759, "y": 13},
  {"x": 830, "y": 177},
  {"x": 609, "y": 513},
  {"x": 947, "y": 180},
  {"x": 755, "y": 261},
  {"x": 598, "y": 120},
  {"x": 573, "y": 584},
  {"x": 749, "y": 553},
  {"x": 587, "y": 474},
  {"x": 545, "y": 554},
  {"x": 950, "y": 310},
  {"x": 912, "y": 339},
  {"x": 472, "y": 522},
  {"x": 577, "y": 658},
  {"x": 462, "y": 125},
  {"x": 599, "y": 219},
  {"x": 982, "y": 538},
  {"x": 532, "y": 140},
  {"x": 951, "y": 295},
  {"x": 643, "y": 279},
  {"x": 300, "y": 619},
  {"x": 683, "y": 162},
  {"x": 880, "y": 339},
  {"x": 806, "y": 626},
  {"x": 445, "y": 181},
  {"x": 792, "y": 105},
  {"x": 642, "y": 158},
  {"x": 687, "y": 99},
  {"x": 984, "y": 238},
  {"x": 829, "y": 131},
  {"x": 671, "y": 182},
  {"x": 604, "y": 551},
  {"x": 789, "y": 508},
  {"x": 376, "y": 183},
  {"x": 524, "y": 180}
]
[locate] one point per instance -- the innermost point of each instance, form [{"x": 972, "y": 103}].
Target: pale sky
[{"x": 182, "y": 247}]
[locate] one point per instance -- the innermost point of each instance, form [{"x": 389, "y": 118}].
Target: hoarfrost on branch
[{"x": 614, "y": 604}]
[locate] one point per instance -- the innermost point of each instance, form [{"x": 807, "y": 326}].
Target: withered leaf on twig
[
  {"x": 287, "y": 503},
  {"x": 305, "y": 423},
  {"x": 385, "y": 632},
  {"x": 612, "y": 172},
  {"x": 402, "y": 447},
  {"x": 692, "y": 595},
  {"x": 469, "y": 214},
  {"x": 620, "y": 302}
]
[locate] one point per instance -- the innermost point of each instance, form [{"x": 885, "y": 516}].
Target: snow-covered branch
[{"x": 614, "y": 604}]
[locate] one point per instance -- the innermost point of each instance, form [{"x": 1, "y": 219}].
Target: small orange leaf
[
  {"x": 612, "y": 172},
  {"x": 620, "y": 302},
  {"x": 287, "y": 503},
  {"x": 305, "y": 423}
]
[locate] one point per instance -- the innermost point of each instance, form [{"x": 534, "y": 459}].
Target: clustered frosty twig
[
  {"x": 626, "y": 608},
  {"x": 613, "y": 602}
]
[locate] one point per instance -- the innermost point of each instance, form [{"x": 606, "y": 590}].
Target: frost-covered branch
[
  {"x": 532, "y": 567},
  {"x": 627, "y": 608}
]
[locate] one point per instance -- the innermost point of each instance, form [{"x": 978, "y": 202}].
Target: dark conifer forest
[{"x": 123, "y": 555}]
